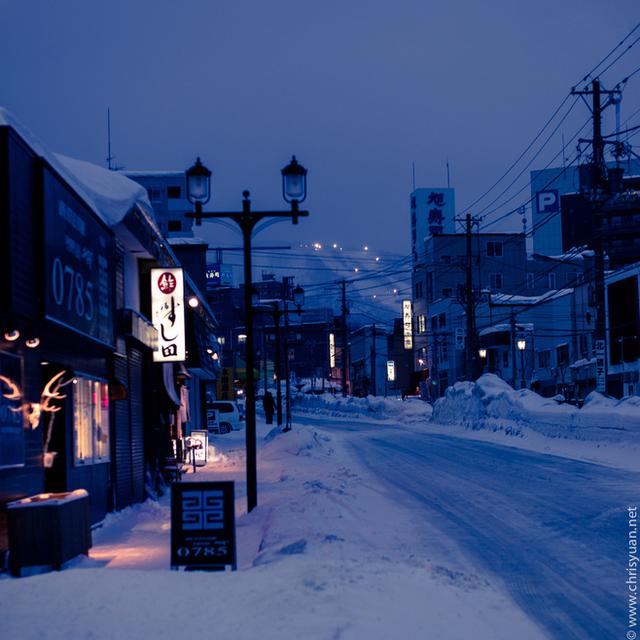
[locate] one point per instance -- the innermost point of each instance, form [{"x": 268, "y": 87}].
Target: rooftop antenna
[
  {"x": 109, "y": 156},
  {"x": 110, "y": 165},
  {"x": 448, "y": 175},
  {"x": 413, "y": 171}
]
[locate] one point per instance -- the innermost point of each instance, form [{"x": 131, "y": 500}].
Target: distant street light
[
  {"x": 522, "y": 345},
  {"x": 294, "y": 191}
]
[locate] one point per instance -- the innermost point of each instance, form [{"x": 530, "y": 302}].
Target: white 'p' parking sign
[{"x": 548, "y": 201}]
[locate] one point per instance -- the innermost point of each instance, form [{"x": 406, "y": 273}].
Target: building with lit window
[{"x": 83, "y": 404}]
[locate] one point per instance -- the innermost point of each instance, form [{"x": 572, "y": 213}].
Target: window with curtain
[{"x": 90, "y": 420}]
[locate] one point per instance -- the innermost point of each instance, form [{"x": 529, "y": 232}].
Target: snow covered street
[
  {"x": 365, "y": 529},
  {"x": 552, "y": 529}
]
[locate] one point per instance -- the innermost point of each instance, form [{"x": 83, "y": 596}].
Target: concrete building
[
  {"x": 554, "y": 222},
  {"x": 168, "y": 197},
  {"x": 78, "y": 245},
  {"x": 369, "y": 358},
  {"x": 439, "y": 326},
  {"x": 432, "y": 212}
]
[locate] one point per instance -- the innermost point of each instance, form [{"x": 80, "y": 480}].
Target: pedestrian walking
[{"x": 269, "y": 405}]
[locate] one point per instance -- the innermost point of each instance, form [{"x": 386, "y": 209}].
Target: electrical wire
[{"x": 590, "y": 73}]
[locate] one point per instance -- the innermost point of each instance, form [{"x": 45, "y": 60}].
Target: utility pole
[
  {"x": 598, "y": 191},
  {"x": 513, "y": 349},
  {"x": 373, "y": 361},
  {"x": 345, "y": 338},
  {"x": 278, "y": 365},
  {"x": 287, "y": 373},
  {"x": 264, "y": 354},
  {"x": 471, "y": 342}
]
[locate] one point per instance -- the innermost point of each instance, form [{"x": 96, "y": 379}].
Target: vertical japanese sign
[
  {"x": 407, "y": 324},
  {"x": 332, "y": 350},
  {"x": 391, "y": 370},
  {"x": 435, "y": 208},
  {"x": 203, "y": 530},
  {"x": 167, "y": 312},
  {"x": 601, "y": 382}
]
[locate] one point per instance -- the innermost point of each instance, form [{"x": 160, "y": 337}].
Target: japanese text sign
[
  {"x": 407, "y": 325},
  {"x": 167, "y": 314}
]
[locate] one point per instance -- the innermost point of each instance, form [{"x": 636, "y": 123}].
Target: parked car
[{"x": 228, "y": 416}]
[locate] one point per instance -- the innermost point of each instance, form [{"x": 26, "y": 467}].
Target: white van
[{"x": 227, "y": 414}]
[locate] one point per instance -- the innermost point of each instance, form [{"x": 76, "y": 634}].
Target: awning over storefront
[{"x": 169, "y": 382}]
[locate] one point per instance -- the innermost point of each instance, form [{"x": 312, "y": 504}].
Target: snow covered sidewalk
[{"x": 327, "y": 554}]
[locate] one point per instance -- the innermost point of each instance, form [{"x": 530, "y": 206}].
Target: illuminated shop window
[{"x": 90, "y": 421}]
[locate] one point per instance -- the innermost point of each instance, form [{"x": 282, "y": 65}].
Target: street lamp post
[
  {"x": 298, "y": 301},
  {"x": 274, "y": 310},
  {"x": 483, "y": 358},
  {"x": 522, "y": 345},
  {"x": 294, "y": 191},
  {"x": 276, "y": 314}
]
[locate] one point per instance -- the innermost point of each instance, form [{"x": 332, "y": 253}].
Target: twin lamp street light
[
  {"x": 521, "y": 343},
  {"x": 294, "y": 191}
]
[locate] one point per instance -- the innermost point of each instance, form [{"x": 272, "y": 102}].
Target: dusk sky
[{"x": 357, "y": 90}]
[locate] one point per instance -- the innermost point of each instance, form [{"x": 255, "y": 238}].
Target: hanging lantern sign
[{"x": 167, "y": 313}]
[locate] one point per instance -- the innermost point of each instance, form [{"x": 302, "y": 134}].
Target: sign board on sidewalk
[
  {"x": 601, "y": 382},
  {"x": 203, "y": 530},
  {"x": 201, "y": 436},
  {"x": 212, "y": 420}
]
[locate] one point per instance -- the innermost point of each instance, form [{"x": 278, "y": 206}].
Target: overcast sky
[{"x": 358, "y": 90}]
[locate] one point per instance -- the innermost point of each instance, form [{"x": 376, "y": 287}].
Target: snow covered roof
[
  {"x": 500, "y": 328},
  {"x": 568, "y": 257},
  {"x": 186, "y": 240},
  {"x": 109, "y": 194},
  {"x": 583, "y": 362},
  {"x": 509, "y": 299},
  {"x": 113, "y": 194},
  {"x": 152, "y": 173},
  {"x": 571, "y": 257}
]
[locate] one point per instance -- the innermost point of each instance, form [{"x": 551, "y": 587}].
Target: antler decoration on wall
[{"x": 32, "y": 411}]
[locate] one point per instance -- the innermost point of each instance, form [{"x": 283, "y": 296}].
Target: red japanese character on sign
[{"x": 167, "y": 283}]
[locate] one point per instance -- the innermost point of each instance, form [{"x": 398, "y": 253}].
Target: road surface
[{"x": 553, "y": 530}]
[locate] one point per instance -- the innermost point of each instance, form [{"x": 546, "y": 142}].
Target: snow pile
[
  {"x": 326, "y": 554},
  {"x": 376, "y": 407},
  {"x": 490, "y": 403}
]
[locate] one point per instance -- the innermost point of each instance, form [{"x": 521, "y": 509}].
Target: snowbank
[
  {"x": 326, "y": 554},
  {"x": 490, "y": 403},
  {"x": 379, "y": 408}
]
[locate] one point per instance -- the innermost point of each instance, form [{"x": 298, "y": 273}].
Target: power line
[
  {"x": 589, "y": 74},
  {"x": 555, "y": 113},
  {"x": 515, "y": 162},
  {"x": 621, "y": 55},
  {"x": 526, "y": 166}
]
